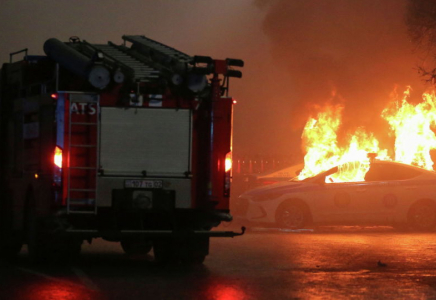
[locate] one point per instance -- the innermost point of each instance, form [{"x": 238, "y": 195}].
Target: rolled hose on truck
[{"x": 98, "y": 75}]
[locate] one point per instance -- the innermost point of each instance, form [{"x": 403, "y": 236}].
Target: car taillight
[
  {"x": 228, "y": 174},
  {"x": 58, "y": 157}
]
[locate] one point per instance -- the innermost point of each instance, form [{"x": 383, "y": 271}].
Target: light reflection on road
[
  {"x": 336, "y": 264},
  {"x": 50, "y": 290},
  {"x": 226, "y": 292}
]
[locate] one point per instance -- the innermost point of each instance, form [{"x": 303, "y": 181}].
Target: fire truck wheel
[{"x": 135, "y": 247}]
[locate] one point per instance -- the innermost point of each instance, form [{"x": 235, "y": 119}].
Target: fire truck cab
[{"x": 130, "y": 143}]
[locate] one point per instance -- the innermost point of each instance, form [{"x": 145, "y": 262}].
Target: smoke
[{"x": 359, "y": 50}]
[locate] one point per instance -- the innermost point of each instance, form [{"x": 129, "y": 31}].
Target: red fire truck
[{"x": 130, "y": 143}]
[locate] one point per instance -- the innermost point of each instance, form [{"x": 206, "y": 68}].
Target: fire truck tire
[{"x": 135, "y": 247}]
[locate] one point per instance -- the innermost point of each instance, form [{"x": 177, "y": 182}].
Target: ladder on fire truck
[{"x": 83, "y": 152}]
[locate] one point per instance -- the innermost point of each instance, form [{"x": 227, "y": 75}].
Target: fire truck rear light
[
  {"x": 58, "y": 157},
  {"x": 227, "y": 174},
  {"x": 228, "y": 163}
]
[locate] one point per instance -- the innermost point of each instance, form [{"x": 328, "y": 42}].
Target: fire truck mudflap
[{"x": 130, "y": 143}]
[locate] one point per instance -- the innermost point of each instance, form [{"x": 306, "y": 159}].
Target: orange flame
[
  {"x": 411, "y": 125},
  {"x": 320, "y": 138},
  {"x": 323, "y": 151}
]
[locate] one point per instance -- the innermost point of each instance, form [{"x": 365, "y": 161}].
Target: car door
[
  {"x": 388, "y": 185},
  {"x": 338, "y": 203}
]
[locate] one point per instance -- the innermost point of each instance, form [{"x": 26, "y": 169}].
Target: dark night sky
[{"x": 295, "y": 52}]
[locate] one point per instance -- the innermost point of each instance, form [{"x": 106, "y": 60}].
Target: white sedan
[{"x": 392, "y": 194}]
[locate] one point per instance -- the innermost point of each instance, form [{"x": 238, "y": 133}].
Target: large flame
[
  {"x": 320, "y": 139},
  {"x": 411, "y": 126},
  {"x": 323, "y": 151}
]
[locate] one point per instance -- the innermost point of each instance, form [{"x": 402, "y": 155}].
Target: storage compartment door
[{"x": 134, "y": 140}]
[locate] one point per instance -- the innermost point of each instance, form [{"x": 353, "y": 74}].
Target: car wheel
[
  {"x": 292, "y": 216},
  {"x": 422, "y": 216}
]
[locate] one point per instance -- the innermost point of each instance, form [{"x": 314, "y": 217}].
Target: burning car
[{"x": 389, "y": 193}]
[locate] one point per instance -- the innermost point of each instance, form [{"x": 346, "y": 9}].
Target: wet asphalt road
[{"x": 328, "y": 263}]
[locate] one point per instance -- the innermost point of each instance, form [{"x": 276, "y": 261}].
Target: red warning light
[
  {"x": 54, "y": 96},
  {"x": 58, "y": 157},
  {"x": 234, "y": 101}
]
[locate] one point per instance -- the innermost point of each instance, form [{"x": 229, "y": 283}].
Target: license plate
[{"x": 143, "y": 183}]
